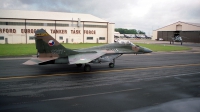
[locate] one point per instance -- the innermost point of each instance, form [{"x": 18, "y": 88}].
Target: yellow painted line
[
  {"x": 145, "y": 68},
  {"x": 106, "y": 71}
]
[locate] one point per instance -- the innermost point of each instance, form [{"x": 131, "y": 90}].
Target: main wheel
[
  {"x": 87, "y": 68},
  {"x": 111, "y": 65},
  {"x": 79, "y": 65}
]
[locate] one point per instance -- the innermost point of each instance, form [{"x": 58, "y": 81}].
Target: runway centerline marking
[
  {"x": 88, "y": 95},
  {"x": 105, "y": 71}
]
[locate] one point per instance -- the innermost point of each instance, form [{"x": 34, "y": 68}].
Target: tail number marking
[
  {"x": 112, "y": 50},
  {"x": 57, "y": 51}
]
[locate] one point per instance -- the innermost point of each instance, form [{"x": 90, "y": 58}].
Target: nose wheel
[{"x": 112, "y": 65}]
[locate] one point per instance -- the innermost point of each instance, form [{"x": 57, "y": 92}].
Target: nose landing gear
[{"x": 112, "y": 64}]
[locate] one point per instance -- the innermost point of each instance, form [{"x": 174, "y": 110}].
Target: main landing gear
[
  {"x": 79, "y": 65},
  {"x": 87, "y": 67},
  {"x": 171, "y": 42}
]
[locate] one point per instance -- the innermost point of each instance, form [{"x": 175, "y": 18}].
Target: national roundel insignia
[{"x": 51, "y": 43}]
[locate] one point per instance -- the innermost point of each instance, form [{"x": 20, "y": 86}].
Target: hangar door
[
  {"x": 187, "y": 36},
  {"x": 165, "y": 35},
  {"x": 191, "y": 36}
]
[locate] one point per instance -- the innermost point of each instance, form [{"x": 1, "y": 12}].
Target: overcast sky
[{"x": 145, "y": 15}]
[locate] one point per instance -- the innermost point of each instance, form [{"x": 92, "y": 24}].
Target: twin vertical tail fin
[{"x": 47, "y": 46}]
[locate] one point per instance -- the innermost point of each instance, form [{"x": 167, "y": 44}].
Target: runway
[{"x": 138, "y": 83}]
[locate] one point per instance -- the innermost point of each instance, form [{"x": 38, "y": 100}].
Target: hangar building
[
  {"x": 190, "y": 32},
  {"x": 18, "y": 26}
]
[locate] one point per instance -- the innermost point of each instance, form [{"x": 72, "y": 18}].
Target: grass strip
[
  {"x": 29, "y": 49},
  {"x": 166, "y": 48}
]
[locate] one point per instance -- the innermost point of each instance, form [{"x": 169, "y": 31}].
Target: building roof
[
  {"x": 193, "y": 24},
  {"x": 44, "y": 15}
]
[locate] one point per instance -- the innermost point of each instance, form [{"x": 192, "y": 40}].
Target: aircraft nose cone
[{"x": 146, "y": 50}]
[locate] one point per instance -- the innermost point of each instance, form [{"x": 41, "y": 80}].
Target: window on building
[
  {"x": 34, "y": 24},
  {"x": 57, "y": 24},
  {"x": 31, "y": 37},
  {"x": 1, "y": 37},
  {"x": 62, "y": 25},
  {"x": 95, "y": 26},
  {"x": 19, "y": 23},
  {"x": 101, "y": 38},
  {"x": 15, "y": 23},
  {"x": 50, "y": 24},
  {"x": 89, "y": 38},
  {"x": 61, "y": 38},
  {"x": 2, "y": 23},
  {"x": 12, "y": 23}
]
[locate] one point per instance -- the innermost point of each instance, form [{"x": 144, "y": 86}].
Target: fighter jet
[
  {"x": 176, "y": 39},
  {"x": 50, "y": 51}
]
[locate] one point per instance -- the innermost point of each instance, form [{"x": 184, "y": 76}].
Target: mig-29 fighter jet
[
  {"x": 50, "y": 51},
  {"x": 176, "y": 39}
]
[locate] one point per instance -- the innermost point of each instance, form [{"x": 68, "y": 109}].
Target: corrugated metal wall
[{"x": 187, "y": 36}]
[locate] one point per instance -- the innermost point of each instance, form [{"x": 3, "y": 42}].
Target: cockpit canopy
[
  {"x": 178, "y": 38},
  {"x": 125, "y": 42}
]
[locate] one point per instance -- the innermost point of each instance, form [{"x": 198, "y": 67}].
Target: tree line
[{"x": 128, "y": 31}]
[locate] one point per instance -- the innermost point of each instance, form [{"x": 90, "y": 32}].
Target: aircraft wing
[
  {"x": 40, "y": 61},
  {"x": 84, "y": 57}
]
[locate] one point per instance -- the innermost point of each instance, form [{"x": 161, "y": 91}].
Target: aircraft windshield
[{"x": 127, "y": 42}]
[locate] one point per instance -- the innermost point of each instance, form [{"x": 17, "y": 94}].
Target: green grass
[
  {"x": 166, "y": 48},
  {"x": 80, "y": 46},
  {"x": 29, "y": 49},
  {"x": 17, "y": 49}
]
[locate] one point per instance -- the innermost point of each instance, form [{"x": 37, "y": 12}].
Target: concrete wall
[
  {"x": 71, "y": 33},
  {"x": 95, "y": 32},
  {"x": 12, "y": 33},
  {"x": 111, "y": 32}
]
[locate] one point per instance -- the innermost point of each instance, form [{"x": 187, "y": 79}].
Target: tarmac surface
[{"x": 156, "y": 82}]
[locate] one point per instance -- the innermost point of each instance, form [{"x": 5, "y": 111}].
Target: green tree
[
  {"x": 128, "y": 31},
  {"x": 140, "y": 32}
]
